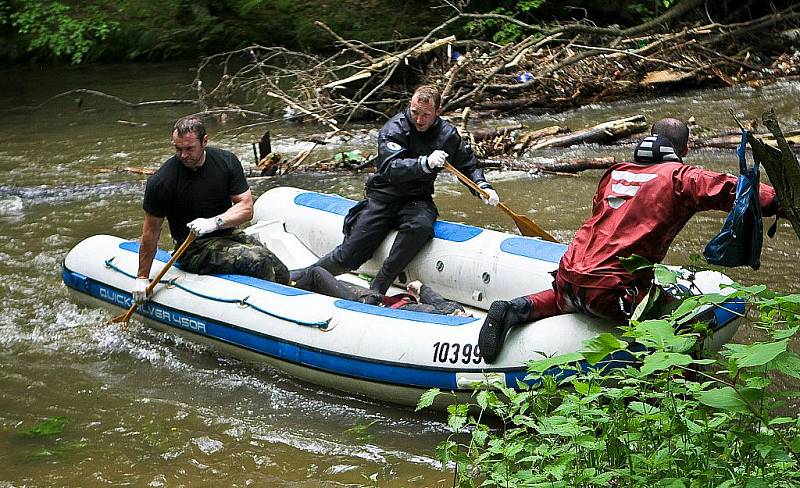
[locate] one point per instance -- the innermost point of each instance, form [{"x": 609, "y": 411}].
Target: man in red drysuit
[{"x": 639, "y": 208}]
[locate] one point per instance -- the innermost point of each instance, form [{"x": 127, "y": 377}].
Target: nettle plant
[{"x": 642, "y": 409}]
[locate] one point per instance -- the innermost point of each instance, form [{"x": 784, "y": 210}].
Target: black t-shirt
[{"x": 182, "y": 195}]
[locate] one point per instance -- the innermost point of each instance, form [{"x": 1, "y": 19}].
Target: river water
[{"x": 146, "y": 409}]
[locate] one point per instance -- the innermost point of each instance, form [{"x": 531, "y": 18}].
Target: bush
[
  {"x": 664, "y": 418},
  {"x": 60, "y": 31}
]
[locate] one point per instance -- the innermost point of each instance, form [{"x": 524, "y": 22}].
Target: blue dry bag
[{"x": 739, "y": 242}]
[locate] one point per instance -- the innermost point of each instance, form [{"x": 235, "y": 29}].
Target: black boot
[
  {"x": 502, "y": 316},
  {"x": 381, "y": 282},
  {"x": 326, "y": 262}
]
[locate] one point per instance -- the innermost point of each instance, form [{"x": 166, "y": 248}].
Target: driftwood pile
[
  {"x": 553, "y": 68},
  {"x": 497, "y": 147}
]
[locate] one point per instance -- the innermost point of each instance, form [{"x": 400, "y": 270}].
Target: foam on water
[{"x": 11, "y": 205}]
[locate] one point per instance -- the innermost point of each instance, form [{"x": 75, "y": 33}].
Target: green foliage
[
  {"x": 360, "y": 431},
  {"x": 51, "y": 426},
  {"x": 668, "y": 419},
  {"x": 542, "y": 12},
  {"x": 62, "y": 31}
]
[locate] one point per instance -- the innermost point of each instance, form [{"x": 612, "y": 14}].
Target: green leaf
[
  {"x": 601, "y": 346},
  {"x": 643, "y": 408},
  {"x": 757, "y": 382},
  {"x": 635, "y": 263},
  {"x": 354, "y": 155},
  {"x": 426, "y": 399},
  {"x": 787, "y": 363},
  {"x": 728, "y": 399},
  {"x": 479, "y": 436},
  {"x": 647, "y": 305},
  {"x": 664, "y": 360},
  {"x": 559, "y": 468},
  {"x": 756, "y": 483},
  {"x": 585, "y": 388},
  {"x": 660, "y": 335},
  {"x": 560, "y": 426},
  {"x": 784, "y": 334},
  {"x": 751, "y": 290},
  {"x": 671, "y": 483},
  {"x": 458, "y": 416},
  {"x": 483, "y": 399},
  {"x": 360, "y": 431},
  {"x": 749, "y": 355},
  {"x": 543, "y": 365},
  {"x": 49, "y": 427},
  {"x": 664, "y": 275},
  {"x": 685, "y": 307}
]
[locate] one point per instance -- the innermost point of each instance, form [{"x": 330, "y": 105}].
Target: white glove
[
  {"x": 139, "y": 291},
  {"x": 493, "y": 199},
  {"x": 414, "y": 287},
  {"x": 436, "y": 159},
  {"x": 202, "y": 226}
]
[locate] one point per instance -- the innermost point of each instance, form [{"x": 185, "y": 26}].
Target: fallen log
[
  {"x": 527, "y": 138},
  {"x": 564, "y": 166},
  {"x": 492, "y": 132},
  {"x": 782, "y": 168},
  {"x": 601, "y": 133},
  {"x": 731, "y": 141},
  {"x": 268, "y": 166},
  {"x": 512, "y": 104}
]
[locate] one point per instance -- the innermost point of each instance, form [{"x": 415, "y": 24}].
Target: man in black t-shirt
[{"x": 203, "y": 190}]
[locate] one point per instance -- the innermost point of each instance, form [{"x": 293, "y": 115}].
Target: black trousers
[
  {"x": 320, "y": 280},
  {"x": 430, "y": 301},
  {"x": 413, "y": 220}
]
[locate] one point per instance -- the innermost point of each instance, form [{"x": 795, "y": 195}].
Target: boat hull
[{"x": 387, "y": 354}]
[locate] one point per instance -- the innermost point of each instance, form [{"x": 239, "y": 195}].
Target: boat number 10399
[{"x": 453, "y": 352}]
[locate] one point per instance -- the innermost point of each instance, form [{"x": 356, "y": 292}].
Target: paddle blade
[
  {"x": 125, "y": 317},
  {"x": 529, "y": 228}
]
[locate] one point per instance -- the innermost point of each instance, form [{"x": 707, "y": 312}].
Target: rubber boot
[
  {"x": 327, "y": 262},
  {"x": 501, "y": 318},
  {"x": 381, "y": 282},
  {"x": 372, "y": 298}
]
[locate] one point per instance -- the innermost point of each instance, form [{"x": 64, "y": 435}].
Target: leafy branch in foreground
[{"x": 654, "y": 415}]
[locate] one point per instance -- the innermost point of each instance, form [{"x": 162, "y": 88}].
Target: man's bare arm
[
  {"x": 240, "y": 212},
  {"x": 151, "y": 231}
]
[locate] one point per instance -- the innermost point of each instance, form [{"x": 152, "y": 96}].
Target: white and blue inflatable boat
[{"x": 388, "y": 354}]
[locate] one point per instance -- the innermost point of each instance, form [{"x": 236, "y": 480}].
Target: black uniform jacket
[{"x": 401, "y": 173}]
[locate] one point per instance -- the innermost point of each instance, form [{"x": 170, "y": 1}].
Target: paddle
[
  {"x": 526, "y": 226},
  {"x": 125, "y": 317}
]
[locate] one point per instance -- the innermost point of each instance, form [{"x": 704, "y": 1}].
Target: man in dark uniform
[
  {"x": 412, "y": 148},
  {"x": 639, "y": 208},
  {"x": 203, "y": 190}
]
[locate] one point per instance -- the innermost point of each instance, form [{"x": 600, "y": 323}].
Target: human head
[
  {"x": 676, "y": 131},
  {"x": 425, "y": 107},
  {"x": 190, "y": 138}
]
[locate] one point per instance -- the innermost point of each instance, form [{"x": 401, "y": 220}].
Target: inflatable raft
[{"x": 388, "y": 354}]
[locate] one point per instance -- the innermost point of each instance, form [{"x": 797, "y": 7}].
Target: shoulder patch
[{"x": 393, "y": 146}]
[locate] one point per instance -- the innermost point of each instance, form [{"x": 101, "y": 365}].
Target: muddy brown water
[{"x": 148, "y": 409}]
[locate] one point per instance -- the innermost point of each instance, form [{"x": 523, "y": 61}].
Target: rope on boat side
[{"x": 322, "y": 325}]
